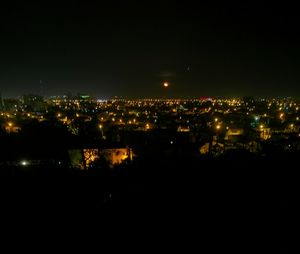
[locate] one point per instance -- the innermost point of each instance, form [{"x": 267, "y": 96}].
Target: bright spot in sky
[{"x": 166, "y": 84}]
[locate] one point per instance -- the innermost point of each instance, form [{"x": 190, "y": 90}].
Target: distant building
[
  {"x": 183, "y": 129},
  {"x": 233, "y": 133},
  {"x": 249, "y": 100},
  {"x": 34, "y": 103},
  {"x": 11, "y": 128},
  {"x": 84, "y": 158},
  {"x": 205, "y": 148},
  {"x": 265, "y": 134},
  {"x": 11, "y": 104},
  {"x": 1, "y": 103},
  {"x": 83, "y": 97}
]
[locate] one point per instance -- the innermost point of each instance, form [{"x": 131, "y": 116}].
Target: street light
[
  {"x": 24, "y": 163},
  {"x": 101, "y": 129}
]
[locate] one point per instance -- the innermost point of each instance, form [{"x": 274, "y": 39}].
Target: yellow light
[
  {"x": 10, "y": 124},
  {"x": 113, "y": 119},
  {"x": 100, "y": 126},
  {"x": 166, "y": 84},
  {"x": 261, "y": 126},
  {"x": 28, "y": 115},
  {"x": 216, "y": 119},
  {"x": 77, "y": 115},
  {"x": 58, "y": 115},
  {"x": 218, "y": 127},
  {"x": 292, "y": 125}
]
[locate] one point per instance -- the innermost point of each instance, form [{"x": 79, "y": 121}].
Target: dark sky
[{"x": 126, "y": 48}]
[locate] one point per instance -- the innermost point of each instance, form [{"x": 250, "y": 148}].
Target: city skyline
[
  {"x": 94, "y": 97},
  {"x": 130, "y": 49}
]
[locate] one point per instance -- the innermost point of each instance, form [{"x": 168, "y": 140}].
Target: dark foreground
[{"x": 240, "y": 198}]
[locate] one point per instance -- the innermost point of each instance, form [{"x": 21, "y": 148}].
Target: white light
[{"x": 24, "y": 163}]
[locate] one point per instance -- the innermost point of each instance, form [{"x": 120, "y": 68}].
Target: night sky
[{"x": 129, "y": 49}]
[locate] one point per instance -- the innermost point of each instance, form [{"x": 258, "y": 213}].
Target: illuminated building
[
  {"x": 204, "y": 149},
  {"x": 183, "y": 129},
  {"x": 265, "y": 133},
  {"x": 115, "y": 156},
  {"x": 232, "y": 132},
  {"x": 11, "y": 128}
]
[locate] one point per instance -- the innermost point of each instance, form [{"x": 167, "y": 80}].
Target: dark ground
[{"x": 241, "y": 202}]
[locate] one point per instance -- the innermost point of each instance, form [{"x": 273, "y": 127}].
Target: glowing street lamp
[
  {"x": 101, "y": 129},
  {"x": 166, "y": 85}
]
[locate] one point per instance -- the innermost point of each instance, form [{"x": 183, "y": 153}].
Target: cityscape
[
  {"x": 75, "y": 132},
  {"x": 171, "y": 108}
]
